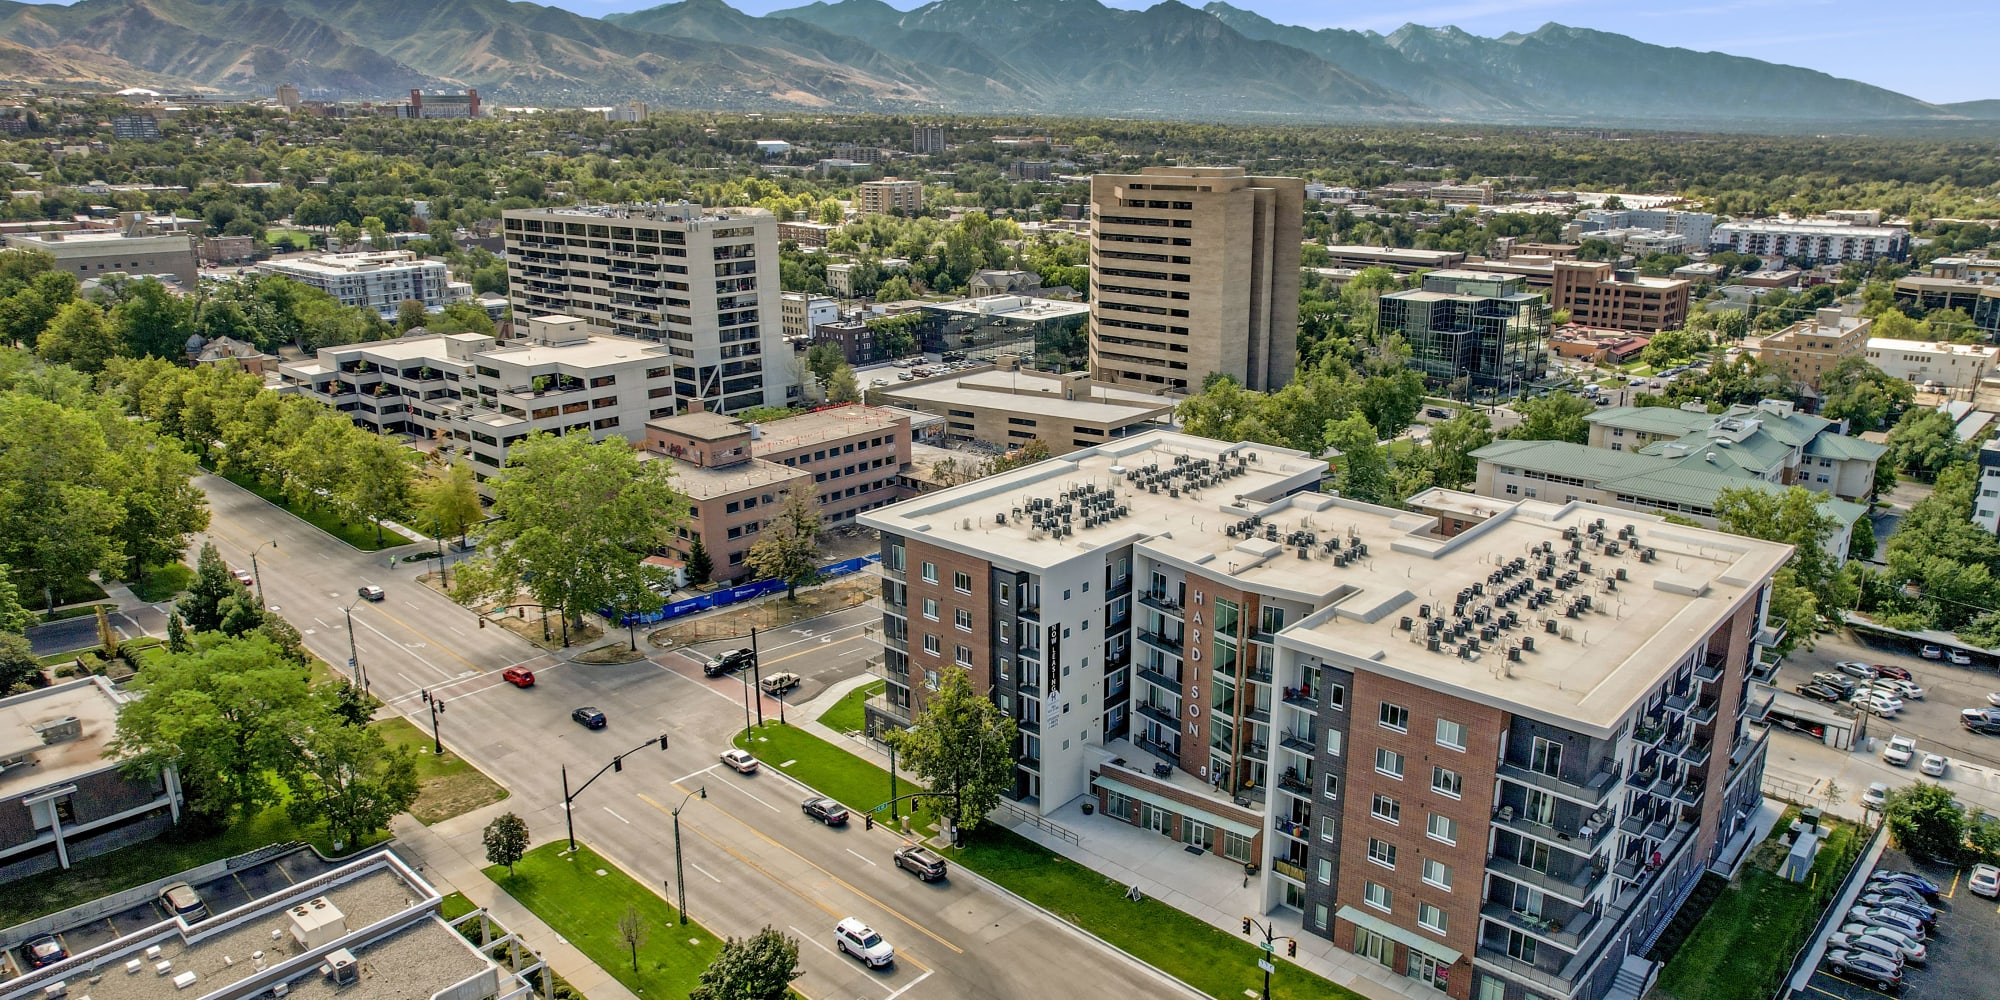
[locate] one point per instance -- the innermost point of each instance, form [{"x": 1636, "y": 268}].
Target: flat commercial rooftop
[
  {"x": 808, "y": 429},
  {"x": 592, "y": 352},
  {"x": 34, "y": 728},
  {"x": 703, "y": 483},
  {"x": 1028, "y": 391}
]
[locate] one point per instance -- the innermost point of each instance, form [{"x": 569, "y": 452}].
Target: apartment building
[
  {"x": 800, "y": 313},
  {"x": 1772, "y": 441},
  {"x": 63, "y": 796},
  {"x": 1007, "y": 407},
  {"x": 424, "y": 105},
  {"x": 1923, "y": 362},
  {"x": 805, "y": 234},
  {"x": 1463, "y": 194},
  {"x": 701, "y": 281},
  {"x": 1193, "y": 271},
  {"x": 1697, "y": 227},
  {"x": 1599, "y": 295},
  {"x": 136, "y": 248},
  {"x": 1191, "y": 637},
  {"x": 926, "y": 139},
  {"x": 630, "y": 112},
  {"x": 889, "y": 196},
  {"x": 1986, "y": 506},
  {"x": 734, "y": 474},
  {"x": 1478, "y": 325},
  {"x": 381, "y": 280},
  {"x": 1810, "y": 348},
  {"x": 1815, "y": 241},
  {"x": 477, "y": 396},
  {"x": 138, "y": 126}
]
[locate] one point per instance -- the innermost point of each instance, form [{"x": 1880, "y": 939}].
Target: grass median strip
[
  {"x": 360, "y": 535},
  {"x": 847, "y": 715},
  {"x": 582, "y": 897},
  {"x": 1196, "y": 952},
  {"x": 447, "y": 786}
]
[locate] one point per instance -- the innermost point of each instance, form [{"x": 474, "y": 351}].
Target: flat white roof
[
  {"x": 1104, "y": 404},
  {"x": 29, "y": 719}
]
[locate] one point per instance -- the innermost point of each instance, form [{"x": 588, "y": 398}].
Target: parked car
[
  {"x": 1900, "y": 751},
  {"x": 1928, "y": 889},
  {"x": 1901, "y": 903},
  {"x": 852, "y": 937},
  {"x": 1884, "y": 705},
  {"x": 1895, "y": 920},
  {"x": 1892, "y": 887},
  {"x": 589, "y": 718},
  {"x": 1873, "y": 970},
  {"x": 520, "y": 677},
  {"x": 920, "y": 861},
  {"x": 1876, "y": 794},
  {"x": 729, "y": 663},
  {"x": 1438, "y": 413},
  {"x": 1890, "y": 670},
  {"x": 1933, "y": 765},
  {"x": 1970, "y": 715},
  {"x": 1856, "y": 668},
  {"x": 1982, "y": 725},
  {"x": 1878, "y": 947},
  {"x": 1993, "y": 698},
  {"x": 1909, "y": 950},
  {"x": 1931, "y": 651},
  {"x": 1959, "y": 657},
  {"x": 243, "y": 577},
  {"x": 371, "y": 592},
  {"x": 1984, "y": 881},
  {"x": 825, "y": 810},
  {"x": 181, "y": 900},
  {"x": 740, "y": 760},
  {"x": 1901, "y": 689},
  {"x": 1820, "y": 691},
  {"x": 45, "y": 950},
  {"x": 1839, "y": 682}
]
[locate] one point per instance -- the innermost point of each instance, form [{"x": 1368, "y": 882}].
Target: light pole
[
  {"x": 746, "y": 684},
  {"x": 617, "y": 764},
  {"x": 257, "y": 577},
  {"x": 437, "y": 529},
  {"x": 1271, "y": 936},
  {"x": 437, "y": 709},
  {"x": 680, "y": 878},
  {"x": 353, "y": 656}
]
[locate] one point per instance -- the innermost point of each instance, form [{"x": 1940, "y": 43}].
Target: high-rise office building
[
  {"x": 1482, "y": 327},
  {"x": 926, "y": 140},
  {"x": 1194, "y": 270},
  {"x": 702, "y": 281}
]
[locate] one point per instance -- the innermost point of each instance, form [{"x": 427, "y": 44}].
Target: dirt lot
[{"x": 847, "y": 592}]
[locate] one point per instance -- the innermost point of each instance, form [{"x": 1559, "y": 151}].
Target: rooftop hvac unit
[
  {"x": 279, "y": 990},
  {"x": 342, "y": 969},
  {"x": 1528, "y": 643},
  {"x": 317, "y": 923}
]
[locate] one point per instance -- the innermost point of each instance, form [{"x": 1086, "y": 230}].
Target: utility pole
[
  {"x": 680, "y": 877},
  {"x": 892, "y": 785},
  {"x": 258, "y": 577},
  {"x": 757, "y": 674},
  {"x": 617, "y": 764},
  {"x": 1271, "y": 936},
  {"x": 437, "y": 529},
  {"x": 353, "y": 656}
]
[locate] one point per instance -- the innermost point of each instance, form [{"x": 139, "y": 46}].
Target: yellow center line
[
  {"x": 843, "y": 883},
  {"x": 430, "y": 642}
]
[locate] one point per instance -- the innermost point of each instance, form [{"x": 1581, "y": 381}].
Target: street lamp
[
  {"x": 256, "y": 577},
  {"x": 437, "y": 535},
  {"x": 353, "y": 656},
  {"x": 617, "y": 764},
  {"x": 680, "y": 878},
  {"x": 1271, "y": 937},
  {"x": 437, "y": 709}
]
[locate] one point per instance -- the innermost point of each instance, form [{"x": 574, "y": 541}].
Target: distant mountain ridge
[{"x": 1025, "y": 56}]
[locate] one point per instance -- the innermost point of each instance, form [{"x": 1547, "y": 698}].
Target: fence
[
  {"x": 733, "y": 595},
  {"x": 1806, "y": 952}
]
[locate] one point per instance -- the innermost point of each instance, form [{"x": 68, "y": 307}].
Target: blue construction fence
[{"x": 735, "y": 595}]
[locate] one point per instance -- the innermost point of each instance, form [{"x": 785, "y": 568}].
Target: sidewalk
[{"x": 439, "y": 853}]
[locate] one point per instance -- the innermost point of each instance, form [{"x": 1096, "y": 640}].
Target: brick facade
[{"x": 976, "y": 601}]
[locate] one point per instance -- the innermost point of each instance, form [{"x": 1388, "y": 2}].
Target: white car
[
  {"x": 740, "y": 760},
  {"x": 1901, "y": 689},
  {"x": 852, "y": 937},
  {"x": 1879, "y": 947},
  {"x": 1856, "y": 668},
  {"x": 1907, "y": 949},
  {"x": 1877, "y": 702},
  {"x": 1900, "y": 751},
  {"x": 1876, "y": 794},
  {"x": 1993, "y": 698},
  {"x": 1933, "y": 765},
  {"x": 1931, "y": 652},
  {"x": 1959, "y": 657},
  {"x": 1984, "y": 881},
  {"x": 1895, "y": 920}
]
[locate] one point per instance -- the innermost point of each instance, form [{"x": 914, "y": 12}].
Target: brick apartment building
[
  {"x": 1599, "y": 295},
  {"x": 1493, "y": 758}
]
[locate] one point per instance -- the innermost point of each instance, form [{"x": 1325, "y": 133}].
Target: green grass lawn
[
  {"x": 583, "y": 906},
  {"x": 288, "y": 239},
  {"x": 846, "y": 715},
  {"x": 858, "y": 784},
  {"x": 163, "y": 583},
  {"x": 1746, "y": 942},
  {"x": 447, "y": 785},
  {"x": 361, "y": 536}
]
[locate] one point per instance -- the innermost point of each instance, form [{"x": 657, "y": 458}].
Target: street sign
[
  {"x": 1266, "y": 945},
  {"x": 1266, "y": 966}
]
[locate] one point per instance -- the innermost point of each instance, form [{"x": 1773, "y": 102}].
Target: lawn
[
  {"x": 163, "y": 583},
  {"x": 1745, "y": 944},
  {"x": 1204, "y": 956},
  {"x": 285, "y": 240},
  {"x": 846, "y": 715},
  {"x": 361, "y": 535},
  {"x": 582, "y": 896},
  {"x": 447, "y": 785}
]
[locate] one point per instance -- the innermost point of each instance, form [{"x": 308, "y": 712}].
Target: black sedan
[
  {"x": 825, "y": 810},
  {"x": 589, "y": 718}
]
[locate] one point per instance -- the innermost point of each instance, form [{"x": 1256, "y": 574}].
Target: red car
[
  {"x": 520, "y": 677},
  {"x": 1887, "y": 670}
]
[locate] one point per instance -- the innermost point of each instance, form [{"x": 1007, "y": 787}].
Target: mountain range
[{"x": 1023, "y": 56}]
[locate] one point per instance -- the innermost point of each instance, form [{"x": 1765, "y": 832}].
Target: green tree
[
  {"x": 221, "y": 715},
  {"x": 1795, "y": 517},
  {"x": 14, "y": 617},
  {"x": 151, "y": 321},
  {"x": 1034, "y": 450},
  {"x": 347, "y": 777},
  {"x": 18, "y": 664},
  {"x": 1863, "y": 395},
  {"x": 699, "y": 566},
  {"x": 1924, "y": 441},
  {"x": 202, "y": 605},
  {"x": 29, "y": 310},
  {"x": 573, "y": 524},
  {"x": 961, "y": 745},
  {"x": 1452, "y": 443},
  {"x": 410, "y": 314},
  {"x": 761, "y": 967},
  {"x": 843, "y": 387},
  {"x": 162, "y": 507},
  {"x": 60, "y": 494},
  {"x": 1926, "y": 821},
  {"x": 447, "y": 499},
  {"x": 380, "y": 474},
  {"x": 506, "y": 840},
  {"x": 1670, "y": 346},
  {"x": 1364, "y": 465},
  {"x": 788, "y": 546},
  {"x": 79, "y": 336},
  {"x": 177, "y": 634},
  {"x": 1557, "y": 416},
  {"x": 895, "y": 289}
]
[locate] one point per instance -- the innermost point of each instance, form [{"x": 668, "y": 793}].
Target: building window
[
  {"x": 1236, "y": 847},
  {"x": 962, "y": 655},
  {"x": 1432, "y": 918},
  {"x": 932, "y": 646},
  {"x": 1450, "y": 734},
  {"x": 1382, "y": 852},
  {"x": 1327, "y": 826},
  {"x": 1437, "y": 873},
  {"x": 1446, "y": 781},
  {"x": 1333, "y": 741},
  {"x": 1336, "y": 696},
  {"x": 931, "y": 608},
  {"x": 931, "y": 679},
  {"x": 963, "y": 619},
  {"x": 1325, "y": 872},
  {"x": 1376, "y": 895},
  {"x": 1547, "y": 758},
  {"x": 1395, "y": 717},
  {"x": 930, "y": 572},
  {"x": 962, "y": 582},
  {"x": 1386, "y": 809},
  {"x": 1388, "y": 762},
  {"x": 1443, "y": 829},
  {"x": 1319, "y": 916},
  {"x": 1333, "y": 786}
]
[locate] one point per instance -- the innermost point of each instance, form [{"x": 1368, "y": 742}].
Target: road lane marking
[
  {"x": 617, "y": 817},
  {"x": 863, "y": 857},
  {"x": 420, "y": 634},
  {"x": 440, "y": 671},
  {"x": 803, "y": 936},
  {"x": 704, "y": 871},
  {"x": 738, "y": 855},
  {"x": 910, "y": 986},
  {"x": 843, "y": 883},
  {"x": 753, "y": 795},
  {"x": 761, "y": 662},
  {"x": 694, "y": 774}
]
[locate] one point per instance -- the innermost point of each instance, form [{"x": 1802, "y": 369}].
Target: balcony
[
  {"x": 1771, "y": 632},
  {"x": 1119, "y": 588},
  {"x": 1028, "y": 725},
  {"x": 1031, "y": 612},
  {"x": 1163, "y": 716},
  {"x": 1680, "y": 703},
  {"x": 1170, "y": 644},
  {"x": 1031, "y": 763},
  {"x": 1304, "y": 741},
  {"x": 1577, "y": 889},
  {"x": 1296, "y": 873},
  {"x": 1301, "y": 698},
  {"x": 1167, "y": 681},
  {"x": 1592, "y": 792},
  {"x": 1569, "y": 936},
  {"x": 1570, "y": 837},
  {"x": 1260, "y": 675},
  {"x": 1259, "y": 715},
  {"x": 1649, "y": 733},
  {"x": 1710, "y": 670},
  {"x": 1690, "y": 793},
  {"x": 1549, "y": 981},
  {"x": 1696, "y": 755},
  {"x": 1294, "y": 830},
  {"x": 1702, "y": 713},
  {"x": 1296, "y": 783},
  {"x": 882, "y": 705}
]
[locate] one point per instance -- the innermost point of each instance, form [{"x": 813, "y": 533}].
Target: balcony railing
[
  {"x": 1167, "y": 681},
  {"x": 1710, "y": 670},
  {"x": 1161, "y": 603},
  {"x": 1028, "y": 725},
  {"x": 1164, "y": 643},
  {"x": 1702, "y": 713},
  {"x": 1300, "y": 698},
  {"x": 1296, "y": 873},
  {"x": 1261, "y": 675},
  {"x": 1291, "y": 828},
  {"x": 1572, "y": 837},
  {"x": 1577, "y": 888},
  {"x": 1772, "y": 631},
  {"x": 1592, "y": 792},
  {"x": 1304, "y": 741},
  {"x": 1032, "y": 612},
  {"x": 1296, "y": 783},
  {"x": 1119, "y": 588},
  {"x": 1546, "y": 928},
  {"x": 1163, "y": 716}
]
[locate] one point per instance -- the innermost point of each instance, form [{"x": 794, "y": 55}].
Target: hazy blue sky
[{"x": 1937, "y": 51}]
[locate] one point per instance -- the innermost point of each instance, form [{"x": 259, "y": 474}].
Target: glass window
[
  {"x": 1319, "y": 916},
  {"x": 1382, "y": 852},
  {"x": 1446, "y": 781},
  {"x": 1547, "y": 759},
  {"x": 1336, "y": 696},
  {"x": 1432, "y": 918},
  {"x": 1325, "y": 873},
  {"x": 1333, "y": 786},
  {"x": 1450, "y": 734},
  {"x": 1333, "y": 740},
  {"x": 930, "y": 572},
  {"x": 962, "y": 582},
  {"x": 1327, "y": 826},
  {"x": 963, "y": 619},
  {"x": 1442, "y": 828},
  {"x": 1376, "y": 896},
  {"x": 1236, "y": 847},
  {"x": 1226, "y": 614},
  {"x": 932, "y": 646},
  {"x": 931, "y": 608},
  {"x": 1386, "y": 809},
  {"x": 1388, "y": 762},
  {"x": 1437, "y": 873},
  {"x": 1394, "y": 717},
  {"x": 963, "y": 656}
]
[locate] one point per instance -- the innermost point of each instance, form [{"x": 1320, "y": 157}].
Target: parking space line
[
  {"x": 1954, "y": 883},
  {"x": 280, "y": 869},
  {"x": 1830, "y": 993}
]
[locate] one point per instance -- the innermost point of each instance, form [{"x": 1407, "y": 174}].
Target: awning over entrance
[
  {"x": 1408, "y": 939},
  {"x": 1159, "y": 801}
]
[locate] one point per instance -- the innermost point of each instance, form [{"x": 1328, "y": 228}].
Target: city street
[{"x": 751, "y": 859}]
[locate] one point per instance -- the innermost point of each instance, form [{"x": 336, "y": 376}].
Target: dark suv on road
[{"x": 729, "y": 663}]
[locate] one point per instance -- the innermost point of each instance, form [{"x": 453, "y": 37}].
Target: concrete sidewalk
[{"x": 452, "y": 855}]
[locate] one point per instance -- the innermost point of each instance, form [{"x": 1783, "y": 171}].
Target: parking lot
[
  {"x": 1961, "y": 948},
  {"x": 1932, "y": 720},
  {"x": 224, "y": 893}
]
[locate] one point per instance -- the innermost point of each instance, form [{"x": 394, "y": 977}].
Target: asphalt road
[
  {"x": 751, "y": 858},
  {"x": 1932, "y": 720}
]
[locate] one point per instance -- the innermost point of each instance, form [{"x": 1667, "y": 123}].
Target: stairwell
[{"x": 1635, "y": 977}]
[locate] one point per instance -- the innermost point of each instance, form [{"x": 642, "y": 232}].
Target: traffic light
[
  {"x": 617, "y": 764},
  {"x": 868, "y": 821},
  {"x": 1246, "y": 925},
  {"x": 1291, "y": 947},
  {"x": 663, "y": 741},
  {"x": 427, "y": 697}
]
